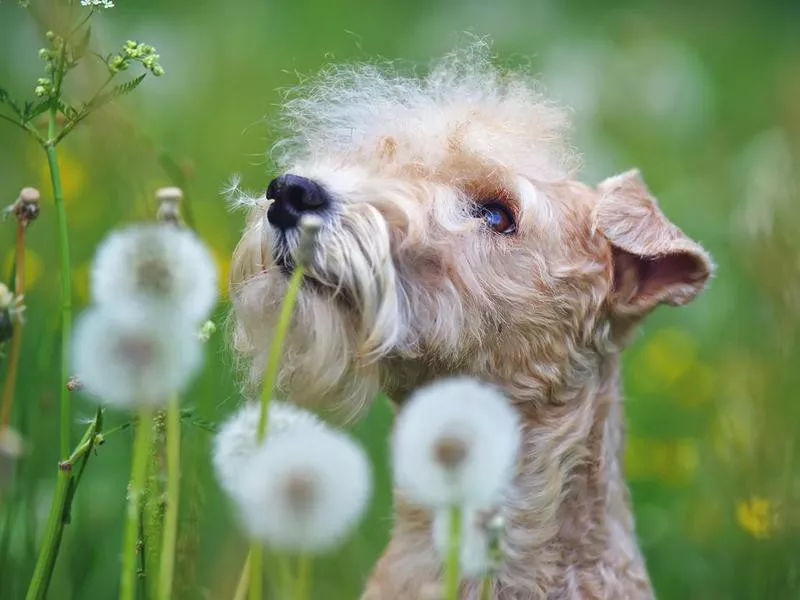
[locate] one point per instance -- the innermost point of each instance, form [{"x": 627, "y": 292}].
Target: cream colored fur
[{"x": 409, "y": 286}]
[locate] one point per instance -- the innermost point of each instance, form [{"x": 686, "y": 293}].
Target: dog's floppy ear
[{"x": 654, "y": 261}]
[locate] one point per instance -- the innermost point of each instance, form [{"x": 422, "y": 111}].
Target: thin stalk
[
  {"x": 486, "y": 588},
  {"x": 66, "y": 284},
  {"x": 285, "y": 576},
  {"x": 276, "y": 349},
  {"x": 141, "y": 451},
  {"x": 256, "y": 572},
  {"x": 304, "y": 578},
  {"x": 244, "y": 580},
  {"x": 59, "y": 512},
  {"x": 452, "y": 576},
  {"x": 154, "y": 503},
  {"x": 173, "y": 500},
  {"x": 270, "y": 378},
  {"x": 16, "y": 340}
]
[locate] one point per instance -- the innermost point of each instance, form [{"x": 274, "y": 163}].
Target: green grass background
[{"x": 703, "y": 96}]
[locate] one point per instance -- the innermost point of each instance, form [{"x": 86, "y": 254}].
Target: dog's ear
[{"x": 654, "y": 261}]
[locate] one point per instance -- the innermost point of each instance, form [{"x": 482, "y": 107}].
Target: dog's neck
[
  {"x": 569, "y": 520},
  {"x": 570, "y": 517}
]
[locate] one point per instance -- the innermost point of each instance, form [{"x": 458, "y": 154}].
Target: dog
[{"x": 458, "y": 241}]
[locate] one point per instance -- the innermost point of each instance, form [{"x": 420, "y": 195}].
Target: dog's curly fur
[{"x": 407, "y": 285}]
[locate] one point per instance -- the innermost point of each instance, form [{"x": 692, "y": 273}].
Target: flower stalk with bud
[
  {"x": 25, "y": 210},
  {"x": 64, "y": 51}
]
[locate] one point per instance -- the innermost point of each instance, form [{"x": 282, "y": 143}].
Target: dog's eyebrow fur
[{"x": 353, "y": 109}]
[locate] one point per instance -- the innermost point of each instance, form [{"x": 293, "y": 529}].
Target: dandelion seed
[
  {"x": 479, "y": 553},
  {"x": 305, "y": 490},
  {"x": 127, "y": 356},
  {"x": 455, "y": 444},
  {"x": 98, "y": 3},
  {"x": 157, "y": 263},
  {"x": 236, "y": 443}
]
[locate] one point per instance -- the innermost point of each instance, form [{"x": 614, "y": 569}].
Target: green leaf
[
  {"x": 34, "y": 109},
  {"x": 128, "y": 86},
  {"x": 6, "y": 99},
  {"x": 120, "y": 90},
  {"x": 68, "y": 111},
  {"x": 80, "y": 48}
]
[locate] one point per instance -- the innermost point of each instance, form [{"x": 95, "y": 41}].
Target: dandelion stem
[
  {"x": 141, "y": 451},
  {"x": 173, "y": 492},
  {"x": 270, "y": 378},
  {"x": 256, "y": 575},
  {"x": 66, "y": 284},
  {"x": 66, "y": 485},
  {"x": 486, "y": 588},
  {"x": 16, "y": 342},
  {"x": 244, "y": 580},
  {"x": 452, "y": 577},
  {"x": 274, "y": 358},
  {"x": 304, "y": 577}
]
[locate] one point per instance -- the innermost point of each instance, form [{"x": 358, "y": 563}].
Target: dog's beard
[{"x": 348, "y": 314}]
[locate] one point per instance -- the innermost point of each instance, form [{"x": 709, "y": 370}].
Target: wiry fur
[{"x": 407, "y": 286}]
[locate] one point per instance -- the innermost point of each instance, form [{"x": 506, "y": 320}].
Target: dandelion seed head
[
  {"x": 455, "y": 443},
  {"x": 305, "y": 490},
  {"x": 158, "y": 264},
  {"x": 236, "y": 442},
  {"x": 128, "y": 356}
]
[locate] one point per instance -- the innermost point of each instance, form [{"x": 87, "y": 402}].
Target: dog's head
[{"x": 455, "y": 239}]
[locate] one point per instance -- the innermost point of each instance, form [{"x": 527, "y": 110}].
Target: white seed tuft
[
  {"x": 455, "y": 444},
  {"x": 159, "y": 264},
  {"x": 305, "y": 490},
  {"x": 235, "y": 443},
  {"x": 127, "y": 356}
]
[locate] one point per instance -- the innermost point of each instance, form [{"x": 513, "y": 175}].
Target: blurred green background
[{"x": 704, "y": 97}]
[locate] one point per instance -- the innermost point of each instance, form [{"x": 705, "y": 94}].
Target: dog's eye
[{"x": 497, "y": 217}]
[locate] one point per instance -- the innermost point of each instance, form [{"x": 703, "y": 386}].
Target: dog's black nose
[{"x": 292, "y": 196}]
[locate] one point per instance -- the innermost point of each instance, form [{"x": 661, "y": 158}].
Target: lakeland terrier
[{"x": 456, "y": 240}]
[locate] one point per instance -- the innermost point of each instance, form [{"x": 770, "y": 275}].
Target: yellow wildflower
[{"x": 756, "y": 516}]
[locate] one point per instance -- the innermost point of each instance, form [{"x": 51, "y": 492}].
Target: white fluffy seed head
[
  {"x": 235, "y": 443},
  {"x": 305, "y": 490},
  {"x": 156, "y": 263},
  {"x": 455, "y": 444},
  {"x": 127, "y": 356}
]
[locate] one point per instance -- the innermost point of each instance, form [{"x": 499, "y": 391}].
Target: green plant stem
[
  {"x": 66, "y": 284},
  {"x": 452, "y": 576},
  {"x": 66, "y": 485},
  {"x": 244, "y": 580},
  {"x": 267, "y": 392},
  {"x": 304, "y": 578},
  {"x": 167, "y": 567},
  {"x": 276, "y": 349},
  {"x": 256, "y": 573},
  {"x": 486, "y": 588},
  {"x": 141, "y": 451}
]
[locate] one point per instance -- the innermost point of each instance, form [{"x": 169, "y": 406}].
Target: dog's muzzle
[{"x": 294, "y": 196}]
